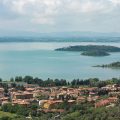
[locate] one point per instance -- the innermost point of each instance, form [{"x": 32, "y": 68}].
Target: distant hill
[
  {"x": 58, "y": 34},
  {"x": 60, "y": 37}
]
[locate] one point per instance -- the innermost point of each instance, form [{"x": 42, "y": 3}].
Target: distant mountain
[
  {"x": 60, "y": 37},
  {"x": 59, "y": 34},
  {"x": 82, "y": 34}
]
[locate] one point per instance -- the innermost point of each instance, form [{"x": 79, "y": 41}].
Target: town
[{"x": 56, "y": 99}]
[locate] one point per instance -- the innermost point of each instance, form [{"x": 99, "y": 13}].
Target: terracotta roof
[
  {"x": 20, "y": 102},
  {"x": 106, "y": 101},
  {"x": 4, "y": 98},
  {"x": 29, "y": 89},
  {"x": 81, "y": 98}
]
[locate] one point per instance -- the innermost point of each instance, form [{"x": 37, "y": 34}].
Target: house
[
  {"x": 71, "y": 102},
  {"x": 37, "y": 93},
  {"x": 110, "y": 87},
  {"x": 3, "y": 99},
  {"x": 70, "y": 89},
  {"x": 63, "y": 88},
  {"x": 1, "y": 92},
  {"x": 12, "y": 90},
  {"x": 51, "y": 103},
  {"x": 91, "y": 98},
  {"x": 81, "y": 99},
  {"x": 41, "y": 102},
  {"x": 113, "y": 99},
  {"x": 22, "y": 95},
  {"x": 29, "y": 89},
  {"x": 106, "y": 102},
  {"x": 54, "y": 89},
  {"x": 53, "y": 96},
  {"x": 115, "y": 94},
  {"x": 73, "y": 94},
  {"x": 21, "y": 102}
]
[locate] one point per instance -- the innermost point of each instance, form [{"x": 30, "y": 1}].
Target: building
[
  {"x": 51, "y": 103},
  {"x": 24, "y": 103},
  {"x": 106, "y": 102},
  {"x": 22, "y": 95},
  {"x": 1, "y": 92}
]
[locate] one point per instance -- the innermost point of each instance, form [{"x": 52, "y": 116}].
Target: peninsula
[{"x": 111, "y": 65}]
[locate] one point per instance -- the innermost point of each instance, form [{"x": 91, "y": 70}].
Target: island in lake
[
  {"x": 95, "y": 53},
  {"x": 91, "y": 50},
  {"x": 111, "y": 65}
]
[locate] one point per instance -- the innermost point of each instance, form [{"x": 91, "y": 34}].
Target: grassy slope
[{"x": 4, "y": 114}]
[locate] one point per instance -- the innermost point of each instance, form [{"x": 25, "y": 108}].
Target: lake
[{"x": 40, "y": 60}]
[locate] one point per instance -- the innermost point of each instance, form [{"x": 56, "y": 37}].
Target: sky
[{"x": 46, "y": 16}]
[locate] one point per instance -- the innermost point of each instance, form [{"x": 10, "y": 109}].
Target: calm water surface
[{"x": 40, "y": 60}]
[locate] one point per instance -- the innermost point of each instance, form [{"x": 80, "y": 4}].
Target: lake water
[{"x": 40, "y": 60}]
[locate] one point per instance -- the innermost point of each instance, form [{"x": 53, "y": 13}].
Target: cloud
[
  {"x": 116, "y": 2},
  {"x": 59, "y": 12},
  {"x": 41, "y": 10}
]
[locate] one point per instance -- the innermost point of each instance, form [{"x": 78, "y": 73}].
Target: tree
[
  {"x": 18, "y": 79},
  {"x": 28, "y": 79},
  {"x": 11, "y": 79},
  {"x": 0, "y": 79}
]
